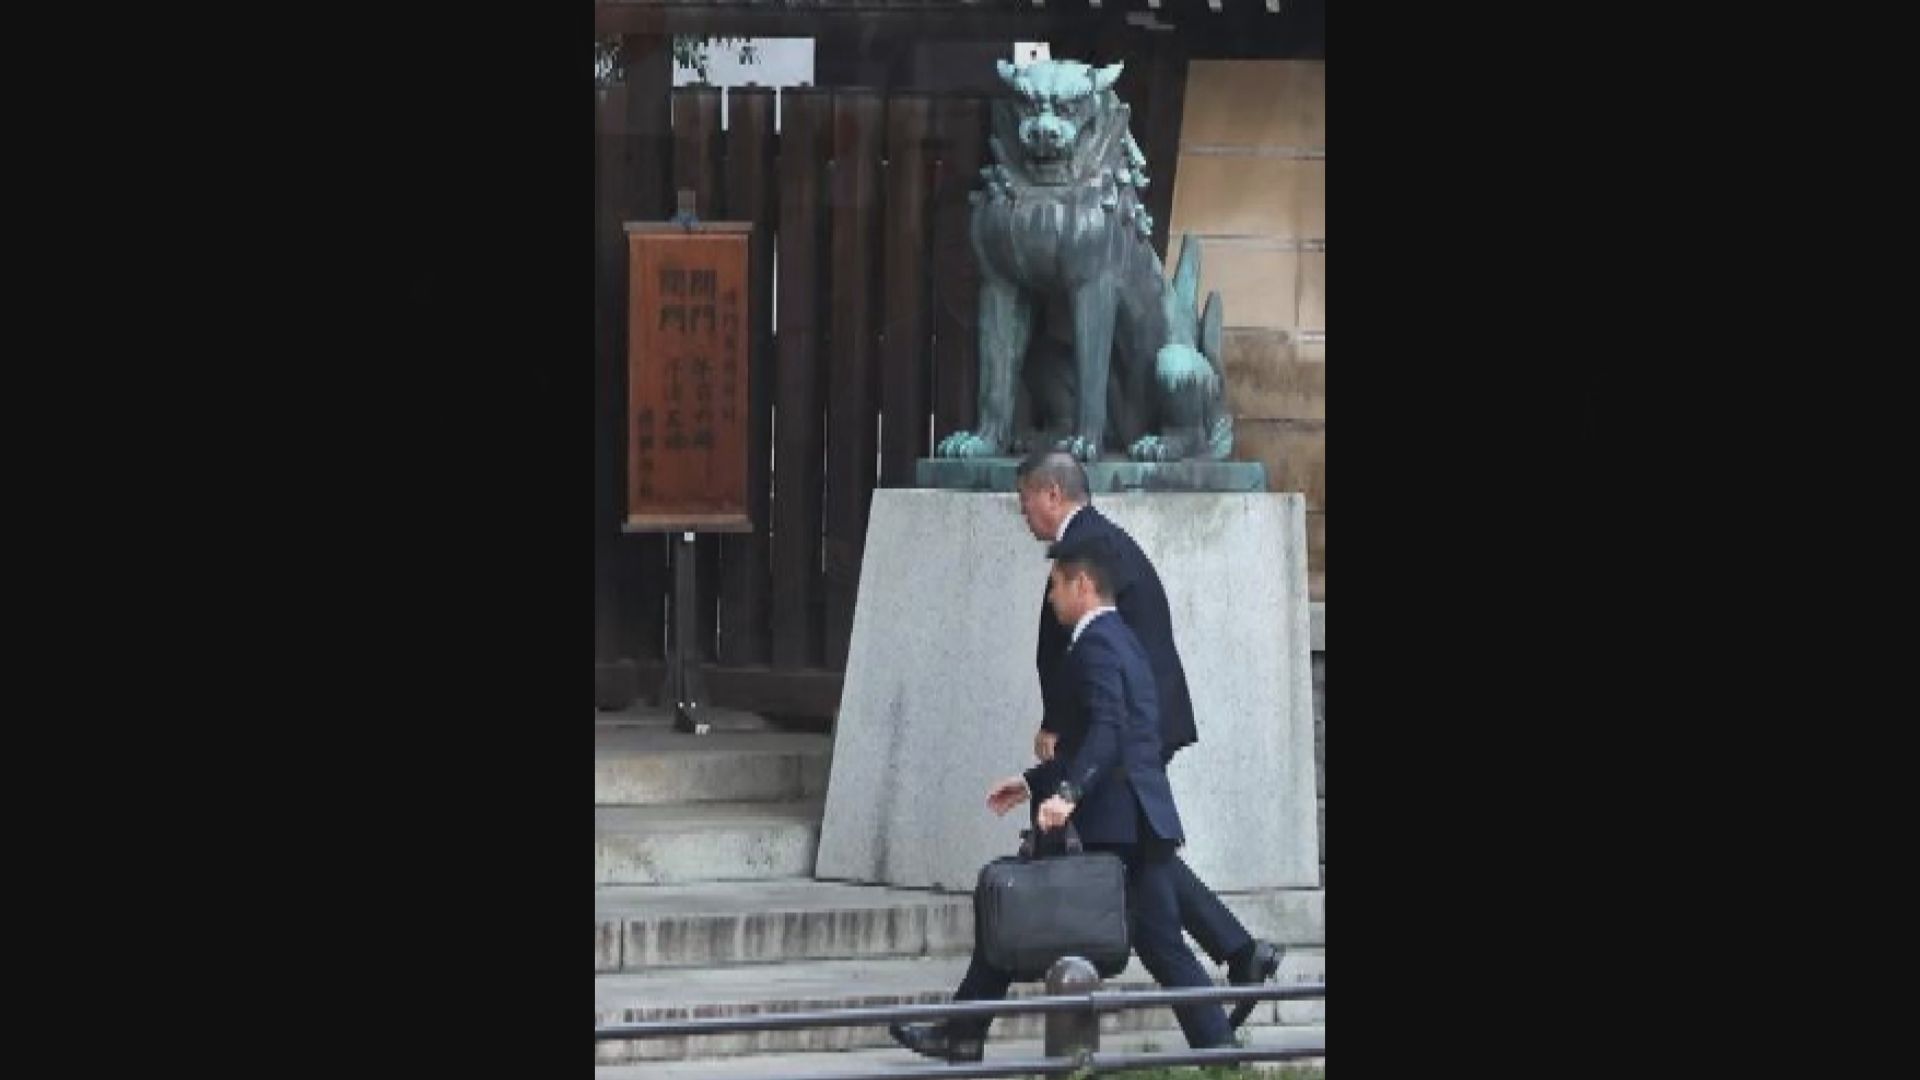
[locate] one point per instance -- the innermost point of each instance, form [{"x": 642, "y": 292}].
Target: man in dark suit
[
  {"x": 1058, "y": 507},
  {"x": 1109, "y": 779}
]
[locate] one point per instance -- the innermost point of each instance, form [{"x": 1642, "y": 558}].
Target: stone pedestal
[{"x": 940, "y": 697}]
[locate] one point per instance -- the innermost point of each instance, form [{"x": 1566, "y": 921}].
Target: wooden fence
[{"x": 870, "y": 348}]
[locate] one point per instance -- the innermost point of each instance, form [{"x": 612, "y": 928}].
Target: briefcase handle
[{"x": 1030, "y": 847}]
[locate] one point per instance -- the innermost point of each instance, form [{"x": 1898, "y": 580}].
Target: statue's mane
[{"x": 1109, "y": 159}]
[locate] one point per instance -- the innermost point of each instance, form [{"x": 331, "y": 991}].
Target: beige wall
[{"x": 1252, "y": 186}]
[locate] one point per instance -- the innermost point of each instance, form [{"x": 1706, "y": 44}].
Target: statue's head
[{"x": 1060, "y": 105}]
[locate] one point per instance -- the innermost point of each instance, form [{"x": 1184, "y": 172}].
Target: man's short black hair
[
  {"x": 1093, "y": 556},
  {"x": 1056, "y": 467}
]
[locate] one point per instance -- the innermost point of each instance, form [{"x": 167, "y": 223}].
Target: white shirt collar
[
  {"x": 1084, "y": 620},
  {"x": 1066, "y": 521}
]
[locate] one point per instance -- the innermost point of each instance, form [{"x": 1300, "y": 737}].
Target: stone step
[
  {"x": 891, "y": 1058},
  {"x": 636, "y": 765},
  {"x": 745, "y": 990},
  {"x": 643, "y": 927},
  {"x": 738, "y": 841},
  {"x": 654, "y": 718}
]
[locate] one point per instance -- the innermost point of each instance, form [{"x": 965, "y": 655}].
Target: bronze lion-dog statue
[{"x": 1084, "y": 343}]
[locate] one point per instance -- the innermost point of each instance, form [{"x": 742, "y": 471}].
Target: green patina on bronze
[
  {"x": 1103, "y": 477},
  {"x": 1084, "y": 344}
]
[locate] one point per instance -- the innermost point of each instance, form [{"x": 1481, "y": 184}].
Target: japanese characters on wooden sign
[{"x": 687, "y": 374}]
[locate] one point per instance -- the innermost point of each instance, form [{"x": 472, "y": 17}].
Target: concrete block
[{"x": 941, "y": 697}]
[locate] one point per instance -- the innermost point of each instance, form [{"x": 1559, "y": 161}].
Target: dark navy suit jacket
[
  {"x": 1110, "y": 740},
  {"x": 1143, "y": 604}
]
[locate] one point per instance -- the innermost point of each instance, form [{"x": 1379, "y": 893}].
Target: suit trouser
[
  {"x": 1152, "y": 901},
  {"x": 1205, "y": 916}
]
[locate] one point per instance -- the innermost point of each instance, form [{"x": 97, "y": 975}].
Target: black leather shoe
[
  {"x": 1253, "y": 965},
  {"x": 934, "y": 1041}
]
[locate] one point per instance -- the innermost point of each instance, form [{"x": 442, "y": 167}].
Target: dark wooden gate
[{"x": 864, "y": 197}]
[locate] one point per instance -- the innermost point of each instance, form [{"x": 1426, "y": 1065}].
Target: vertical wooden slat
[
  {"x": 696, "y": 166},
  {"x": 960, "y": 146},
  {"x": 696, "y": 146},
  {"x": 745, "y": 569},
  {"x": 851, "y": 414},
  {"x": 904, "y": 335},
  {"x": 799, "y": 391},
  {"x": 609, "y": 177},
  {"x": 635, "y": 578}
]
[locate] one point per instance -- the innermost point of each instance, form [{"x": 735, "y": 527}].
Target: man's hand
[
  {"x": 1054, "y": 812},
  {"x": 1007, "y": 794},
  {"x": 1043, "y": 743}
]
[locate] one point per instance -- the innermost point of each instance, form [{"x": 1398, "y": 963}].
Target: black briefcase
[{"x": 1034, "y": 908}]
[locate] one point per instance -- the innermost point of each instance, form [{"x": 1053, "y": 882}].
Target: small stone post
[{"x": 1072, "y": 1034}]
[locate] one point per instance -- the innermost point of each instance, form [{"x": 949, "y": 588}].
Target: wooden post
[
  {"x": 960, "y": 140},
  {"x": 851, "y": 416},
  {"x": 905, "y": 342},
  {"x": 800, "y": 388},
  {"x": 745, "y": 561},
  {"x": 696, "y": 168}
]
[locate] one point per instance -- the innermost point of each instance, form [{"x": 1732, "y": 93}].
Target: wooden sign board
[{"x": 687, "y": 374}]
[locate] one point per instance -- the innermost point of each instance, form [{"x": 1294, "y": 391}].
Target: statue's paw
[
  {"x": 965, "y": 444},
  {"x": 1081, "y": 447},
  {"x": 1151, "y": 448}
]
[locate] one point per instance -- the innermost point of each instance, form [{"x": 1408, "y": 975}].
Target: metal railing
[{"x": 1072, "y": 1007}]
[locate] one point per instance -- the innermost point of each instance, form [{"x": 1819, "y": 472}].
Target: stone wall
[
  {"x": 1320, "y": 727},
  {"x": 1251, "y": 189},
  {"x": 1320, "y": 751}
]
